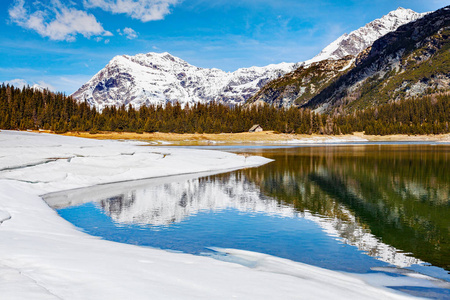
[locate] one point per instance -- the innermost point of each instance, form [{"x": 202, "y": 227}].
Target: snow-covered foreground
[{"x": 44, "y": 257}]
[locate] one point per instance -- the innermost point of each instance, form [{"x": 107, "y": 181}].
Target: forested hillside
[{"x": 28, "y": 108}]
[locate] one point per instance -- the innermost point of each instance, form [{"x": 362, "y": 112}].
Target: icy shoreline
[{"x": 45, "y": 257}]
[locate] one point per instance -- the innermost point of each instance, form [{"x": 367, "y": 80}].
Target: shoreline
[{"x": 269, "y": 137}]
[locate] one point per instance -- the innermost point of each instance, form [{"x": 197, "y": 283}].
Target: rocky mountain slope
[
  {"x": 157, "y": 78},
  {"x": 300, "y": 86},
  {"x": 411, "y": 61}
]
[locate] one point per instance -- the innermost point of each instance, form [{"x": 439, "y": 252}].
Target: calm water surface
[{"x": 354, "y": 208}]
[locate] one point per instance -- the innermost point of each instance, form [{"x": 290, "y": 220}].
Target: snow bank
[
  {"x": 53, "y": 163},
  {"x": 44, "y": 257}
]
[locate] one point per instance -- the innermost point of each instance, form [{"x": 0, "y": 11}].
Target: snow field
[{"x": 44, "y": 257}]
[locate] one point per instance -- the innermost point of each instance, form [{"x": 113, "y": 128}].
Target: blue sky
[{"x": 63, "y": 43}]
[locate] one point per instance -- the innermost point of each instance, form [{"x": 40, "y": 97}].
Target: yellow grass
[{"x": 245, "y": 137}]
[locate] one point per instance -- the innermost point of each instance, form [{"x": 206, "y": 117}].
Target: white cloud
[
  {"x": 144, "y": 10},
  {"x": 18, "y": 83},
  {"x": 57, "y": 22},
  {"x": 128, "y": 32}
]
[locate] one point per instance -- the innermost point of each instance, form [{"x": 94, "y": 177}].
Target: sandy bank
[{"x": 257, "y": 137}]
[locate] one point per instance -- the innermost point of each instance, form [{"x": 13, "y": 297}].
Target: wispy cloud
[
  {"x": 144, "y": 10},
  {"x": 64, "y": 82},
  {"x": 20, "y": 83},
  {"x": 57, "y": 21},
  {"x": 129, "y": 33}
]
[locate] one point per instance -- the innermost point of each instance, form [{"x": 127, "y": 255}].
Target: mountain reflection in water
[
  {"x": 162, "y": 205},
  {"x": 392, "y": 202},
  {"x": 401, "y": 194},
  {"x": 175, "y": 202}
]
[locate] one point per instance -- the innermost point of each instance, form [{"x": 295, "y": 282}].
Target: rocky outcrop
[{"x": 299, "y": 86}]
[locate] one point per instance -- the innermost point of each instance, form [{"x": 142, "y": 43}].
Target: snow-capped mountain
[
  {"x": 358, "y": 40},
  {"x": 157, "y": 78},
  {"x": 408, "y": 63},
  {"x": 38, "y": 87}
]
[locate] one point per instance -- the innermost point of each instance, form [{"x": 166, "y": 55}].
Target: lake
[{"x": 361, "y": 208}]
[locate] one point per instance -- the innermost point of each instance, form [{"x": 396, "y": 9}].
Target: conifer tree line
[
  {"x": 28, "y": 108},
  {"x": 425, "y": 115}
]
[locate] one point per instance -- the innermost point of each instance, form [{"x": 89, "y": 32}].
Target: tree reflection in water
[
  {"x": 386, "y": 200},
  {"x": 401, "y": 194}
]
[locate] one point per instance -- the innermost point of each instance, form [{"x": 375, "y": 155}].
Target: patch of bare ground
[{"x": 254, "y": 137}]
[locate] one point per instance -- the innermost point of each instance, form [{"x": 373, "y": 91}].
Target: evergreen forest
[{"x": 28, "y": 108}]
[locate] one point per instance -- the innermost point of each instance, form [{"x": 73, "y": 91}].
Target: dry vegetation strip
[{"x": 246, "y": 137}]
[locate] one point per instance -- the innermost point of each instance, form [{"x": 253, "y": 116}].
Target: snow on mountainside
[
  {"x": 38, "y": 87},
  {"x": 157, "y": 78},
  {"x": 360, "y": 39}
]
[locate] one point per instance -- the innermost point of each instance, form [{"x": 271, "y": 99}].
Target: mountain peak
[
  {"x": 407, "y": 64},
  {"x": 157, "y": 78},
  {"x": 402, "y": 10},
  {"x": 38, "y": 87},
  {"x": 359, "y": 39},
  {"x": 157, "y": 54}
]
